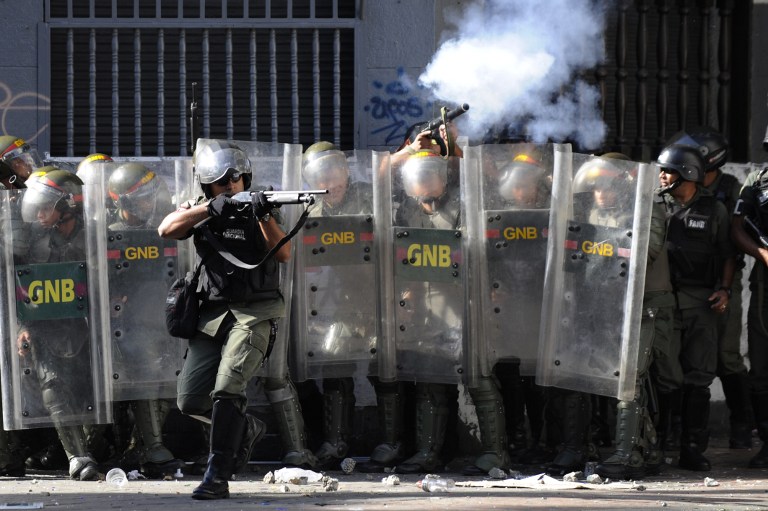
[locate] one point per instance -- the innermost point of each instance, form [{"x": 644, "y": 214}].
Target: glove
[
  {"x": 223, "y": 205},
  {"x": 261, "y": 205}
]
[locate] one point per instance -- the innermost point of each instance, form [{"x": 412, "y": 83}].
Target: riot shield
[
  {"x": 54, "y": 359},
  {"x": 335, "y": 280},
  {"x": 599, "y": 231},
  {"x": 510, "y": 187},
  {"x": 427, "y": 274},
  {"x": 140, "y": 267}
]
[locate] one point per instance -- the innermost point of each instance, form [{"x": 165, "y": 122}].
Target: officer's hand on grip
[
  {"x": 261, "y": 205},
  {"x": 224, "y": 206}
]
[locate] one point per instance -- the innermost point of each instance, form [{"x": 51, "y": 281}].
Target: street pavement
[{"x": 729, "y": 486}]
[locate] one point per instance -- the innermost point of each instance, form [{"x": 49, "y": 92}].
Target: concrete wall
[
  {"x": 20, "y": 87},
  {"x": 759, "y": 81}
]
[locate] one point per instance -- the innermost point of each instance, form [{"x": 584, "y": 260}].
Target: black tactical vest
[
  {"x": 694, "y": 260},
  {"x": 222, "y": 281}
]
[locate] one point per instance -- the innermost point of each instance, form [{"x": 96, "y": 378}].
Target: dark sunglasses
[{"x": 233, "y": 176}]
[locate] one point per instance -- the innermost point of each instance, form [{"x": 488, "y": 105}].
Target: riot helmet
[
  {"x": 683, "y": 159},
  {"x": 711, "y": 144},
  {"x": 138, "y": 192},
  {"x": 55, "y": 190},
  {"x": 87, "y": 168},
  {"x": 604, "y": 180},
  {"x": 325, "y": 167},
  {"x": 18, "y": 157},
  {"x": 425, "y": 177},
  {"x": 215, "y": 160},
  {"x": 521, "y": 181}
]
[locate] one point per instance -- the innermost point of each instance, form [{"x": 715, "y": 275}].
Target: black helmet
[
  {"x": 711, "y": 144},
  {"x": 684, "y": 159},
  {"x": 139, "y": 191},
  {"x": 58, "y": 188}
]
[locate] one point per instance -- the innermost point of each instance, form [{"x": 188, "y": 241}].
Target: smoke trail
[{"x": 514, "y": 61}]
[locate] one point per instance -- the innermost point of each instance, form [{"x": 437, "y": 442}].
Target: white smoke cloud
[{"x": 516, "y": 61}]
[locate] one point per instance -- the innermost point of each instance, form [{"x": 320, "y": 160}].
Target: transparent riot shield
[
  {"x": 54, "y": 358},
  {"x": 426, "y": 270},
  {"x": 141, "y": 266},
  {"x": 508, "y": 192},
  {"x": 599, "y": 232},
  {"x": 335, "y": 280}
]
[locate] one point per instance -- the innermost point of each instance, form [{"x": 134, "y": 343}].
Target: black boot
[
  {"x": 760, "y": 405},
  {"x": 227, "y": 424},
  {"x": 390, "y": 452},
  {"x": 574, "y": 409},
  {"x": 695, "y": 436},
  {"x": 736, "y": 390},
  {"x": 252, "y": 432}
]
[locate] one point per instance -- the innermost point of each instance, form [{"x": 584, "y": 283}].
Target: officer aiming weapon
[{"x": 433, "y": 127}]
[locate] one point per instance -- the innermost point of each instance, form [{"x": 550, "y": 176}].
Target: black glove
[
  {"x": 223, "y": 205},
  {"x": 261, "y": 205}
]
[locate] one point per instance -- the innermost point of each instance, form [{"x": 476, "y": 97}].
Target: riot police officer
[
  {"x": 750, "y": 219},
  {"x": 702, "y": 264},
  {"x": 238, "y": 310},
  {"x": 637, "y": 452},
  {"x": 598, "y": 186},
  {"x": 730, "y": 362},
  {"x": 60, "y": 349},
  {"x": 326, "y": 167},
  {"x": 524, "y": 184},
  {"x": 141, "y": 199},
  {"x": 18, "y": 160}
]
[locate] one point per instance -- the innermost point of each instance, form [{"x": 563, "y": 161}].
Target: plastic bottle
[
  {"x": 116, "y": 477},
  {"x": 438, "y": 484}
]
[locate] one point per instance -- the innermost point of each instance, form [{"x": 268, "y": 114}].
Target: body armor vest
[
  {"x": 694, "y": 259},
  {"x": 222, "y": 281}
]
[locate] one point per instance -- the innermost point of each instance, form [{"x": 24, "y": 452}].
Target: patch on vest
[
  {"x": 696, "y": 222},
  {"x": 234, "y": 234}
]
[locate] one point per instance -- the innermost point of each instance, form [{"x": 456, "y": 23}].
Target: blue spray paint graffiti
[{"x": 394, "y": 109}]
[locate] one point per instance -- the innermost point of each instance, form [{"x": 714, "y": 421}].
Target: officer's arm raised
[{"x": 178, "y": 224}]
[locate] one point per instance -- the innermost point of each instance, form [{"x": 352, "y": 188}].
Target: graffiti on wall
[
  {"x": 393, "y": 108},
  {"x": 18, "y": 112}
]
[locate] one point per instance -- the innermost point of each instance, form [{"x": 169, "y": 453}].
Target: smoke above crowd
[{"x": 517, "y": 63}]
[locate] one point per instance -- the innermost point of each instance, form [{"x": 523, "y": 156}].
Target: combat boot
[
  {"x": 760, "y": 405},
  {"x": 389, "y": 400},
  {"x": 695, "y": 437},
  {"x": 338, "y": 407},
  {"x": 81, "y": 465},
  {"x": 290, "y": 422},
  {"x": 155, "y": 460},
  {"x": 489, "y": 407},
  {"x": 737, "y": 398},
  {"x": 627, "y": 461},
  {"x": 253, "y": 432},
  {"x": 11, "y": 455},
  {"x": 575, "y": 413},
  {"x": 227, "y": 424},
  {"x": 431, "y": 424}
]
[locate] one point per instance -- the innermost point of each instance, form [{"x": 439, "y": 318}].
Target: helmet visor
[{"x": 38, "y": 196}]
